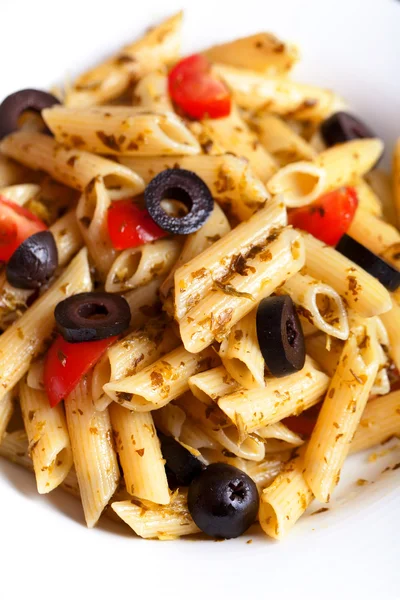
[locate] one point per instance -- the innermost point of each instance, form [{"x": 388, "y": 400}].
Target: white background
[{"x": 353, "y": 550}]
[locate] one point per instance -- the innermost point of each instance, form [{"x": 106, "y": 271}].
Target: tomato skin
[
  {"x": 16, "y": 224},
  {"x": 329, "y": 217},
  {"x": 67, "y": 363},
  {"x": 130, "y": 226},
  {"x": 302, "y": 425},
  {"x": 196, "y": 91}
]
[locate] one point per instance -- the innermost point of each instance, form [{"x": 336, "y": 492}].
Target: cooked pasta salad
[{"x": 199, "y": 287}]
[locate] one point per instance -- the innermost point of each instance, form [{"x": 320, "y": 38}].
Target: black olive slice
[
  {"x": 188, "y": 188},
  {"x": 223, "y": 501},
  {"x": 15, "y": 104},
  {"x": 34, "y": 261},
  {"x": 280, "y": 336},
  {"x": 182, "y": 467},
  {"x": 342, "y": 127},
  {"x": 370, "y": 262},
  {"x": 92, "y": 316}
]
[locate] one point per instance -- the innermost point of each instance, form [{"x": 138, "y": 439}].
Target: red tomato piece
[
  {"x": 329, "y": 217},
  {"x": 16, "y": 224},
  {"x": 303, "y": 424},
  {"x": 130, "y": 226},
  {"x": 67, "y": 363},
  {"x": 196, "y": 91}
]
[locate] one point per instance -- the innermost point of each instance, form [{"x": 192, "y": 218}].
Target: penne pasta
[
  {"x": 144, "y": 302},
  {"x": 367, "y": 199},
  {"x": 135, "y": 267},
  {"x": 377, "y": 235},
  {"x": 325, "y": 351},
  {"x": 251, "y": 409},
  {"x": 144, "y": 345},
  {"x": 262, "y": 52},
  {"x": 121, "y": 130},
  {"x": 214, "y": 423},
  {"x": 157, "y": 47},
  {"x": 279, "y": 139},
  {"x": 230, "y": 179},
  {"x": 160, "y": 382},
  {"x": 24, "y": 340},
  {"x": 391, "y": 321},
  {"x": 241, "y": 355},
  {"x": 35, "y": 376},
  {"x": 91, "y": 214},
  {"x": 140, "y": 455},
  {"x": 300, "y": 183},
  {"x": 15, "y": 448},
  {"x": 284, "y": 500},
  {"x": 193, "y": 436},
  {"x": 379, "y": 422},
  {"x": 381, "y": 184},
  {"x": 130, "y": 355},
  {"x": 74, "y": 168},
  {"x": 233, "y": 135},
  {"x": 151, "y": 521},
  {"x": 67, "y": 237},
  {"x": 169, "y": 419},
  {"x": 236, "y": 296},
  {"x": 152, "y": 92},
  {"x": 341, "y": 412},
  {"x": 20, "y": 193},
  {"x": 6, "y": 411},
  {"x": 319, "y": 304},
  {"x": 11, "y": 172},
  {"x": 216, "y": 226},
  {"x": 279, "y": 95},
  {"x": 92, "y": 448},
  {"x": 345, "y": 163},
  {"x": 362, "y": 292},
  {"x": 264, "y": 472},
  {"x": 211, "y": 385},
  {"x": 49, "y": 443},
  {"x": 194, "y": 279},
  {"x": 279, "y": 431}
]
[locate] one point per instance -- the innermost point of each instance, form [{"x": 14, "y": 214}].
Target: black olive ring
[
  {"x": 280, "y": 335},
  {"x": 92, "y": 316},
  {"x": 15, "y": 104},
  {"x": 185, "y": 186}
]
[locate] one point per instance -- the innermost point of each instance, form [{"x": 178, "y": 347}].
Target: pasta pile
[{"x": 190, "y": 365}]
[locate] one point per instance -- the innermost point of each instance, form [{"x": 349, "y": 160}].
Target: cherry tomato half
[
  {"x": 196, "y": 91},
  {"x": 130, "y": 226},
  {"x": 329, "y": 217},
  {"x": 67, "y": 363},
  {"x": 16, "y": 224}
]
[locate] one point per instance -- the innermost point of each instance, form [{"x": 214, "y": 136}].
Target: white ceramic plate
[{"x": 351, "y": 551}]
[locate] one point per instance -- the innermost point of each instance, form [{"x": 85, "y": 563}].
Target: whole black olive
[
  {"x": 370, "y": 262},
  {"x": 280, "y": 335},
  {"x": 223, "y": 501},
  {"x": 188, "y": 188},
  {"x": 180, "y": 464},
  {"x": 15, "y": 104},
  {"x": 34, "y": 261},
  {"x": 92, "y": 316},
  {"x": 342, "y": 127}
]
